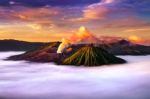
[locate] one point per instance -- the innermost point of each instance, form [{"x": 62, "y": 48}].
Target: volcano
[
  {"x": 83, "y": 36},
  {"x": 91, "y": 56},
  {"x": 43, "y": 54}
]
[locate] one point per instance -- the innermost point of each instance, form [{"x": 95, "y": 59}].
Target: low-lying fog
[{"x": 25, "y": 80}]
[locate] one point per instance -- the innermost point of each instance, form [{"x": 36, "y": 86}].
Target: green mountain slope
[{"x": 91, "y": 56}]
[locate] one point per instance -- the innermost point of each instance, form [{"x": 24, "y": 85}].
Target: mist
[{"x": 27, "y": 80}]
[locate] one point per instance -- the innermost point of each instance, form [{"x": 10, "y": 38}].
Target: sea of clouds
[{"x": 27, "y": 80}]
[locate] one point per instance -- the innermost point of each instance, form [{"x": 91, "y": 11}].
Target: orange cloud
[
  {"x": 34, "y": 26},
  {"x": 91, "y": 13},
  {"x": 37, "y": 18},
  {"x": 138, "y": 29},
  {"x": 97, "y": 11},
  {"x": 36, "y": 13},
  {"x": 23, "y": 17},
  {"x": 107, "y": 1},
  {"x": 128, "y": 22}
]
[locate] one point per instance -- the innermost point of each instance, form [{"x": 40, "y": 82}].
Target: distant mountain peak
[
  {"x": 83, "y": 35},
  {"x": 83, "y": 29}
]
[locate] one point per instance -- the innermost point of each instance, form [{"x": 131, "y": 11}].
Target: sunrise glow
[
  {"x": 52, "y": 20},
  {"x": 134, "y": 38}
]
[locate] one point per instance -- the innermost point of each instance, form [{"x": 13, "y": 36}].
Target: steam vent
[{"x": 92, "y": 56}]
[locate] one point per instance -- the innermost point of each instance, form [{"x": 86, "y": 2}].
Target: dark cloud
[
  {"x": 134, "y": 4},
  {"x": 40, "y": 3}
]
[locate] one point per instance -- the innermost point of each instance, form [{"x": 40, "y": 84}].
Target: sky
[{"x": 51, "y": 20}]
